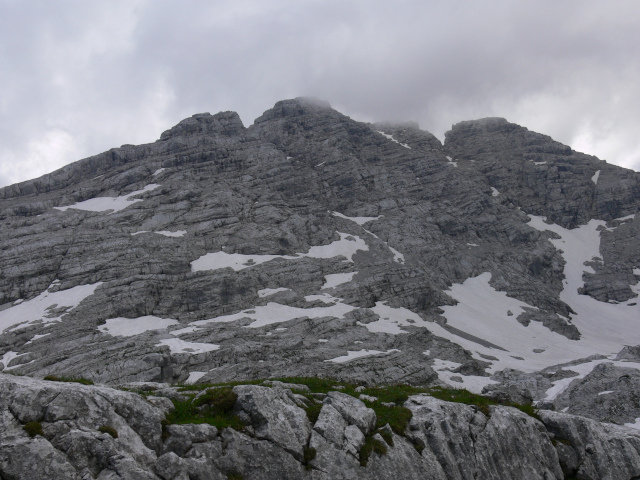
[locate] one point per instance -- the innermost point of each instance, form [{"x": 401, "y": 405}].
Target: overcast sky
[{"x": 79, "y": 77}]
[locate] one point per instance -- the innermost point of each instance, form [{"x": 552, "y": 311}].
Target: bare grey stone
[
  {"x": 275, "y": 417},
  {"x": 353, "y": 411},
  {"x": 331, "y": 425}
]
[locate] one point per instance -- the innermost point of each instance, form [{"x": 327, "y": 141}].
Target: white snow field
[
  {"x": 582, "y": 369},
  {"x": 483, "y": 313},
  {"x": 334, "y": 279},
  {"x": 128, "y": 327},
  {"x": 266, "y": 292},
  {"x": 359, "y": 220},
  {"x": 195, "y": 376},
  {"x": 473, "y": 383},
  {"x": 41, "y": 308},
  {"x": 352, "y": 355},
  {"x": 347, "y": 247},
  {"x": 164, "y": 233},
  {"x": 397, "y": 256},
  {"x": 180, "y": 346},
  {"x": 7, "y": 357},
  {"x": 277, "y": 313},
  {"x": 390, "y": 137},
  {"x": 103, "y": 204}
]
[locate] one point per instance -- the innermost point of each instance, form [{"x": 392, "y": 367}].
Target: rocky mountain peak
[
  {"x": 310, "y": 244},
  {"x": 223, "y": 123}
]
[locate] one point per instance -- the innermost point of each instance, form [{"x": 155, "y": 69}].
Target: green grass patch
[
  {"x": 215, "y": 407},
  {"x": 461, "y": 395},
  {"x": 313, "y": 410},
  {"x": 308, "y": 455},
  {"x": 387, "y": 437},
  {"x": 397, "y": 416},
  {"x": 371, "y": 445},
  {"x": 83, "y": 381},
  {"x": 33, "y": 429},
  {"x": 109, "y": 429},
  {"x": 198, "y": 387}
]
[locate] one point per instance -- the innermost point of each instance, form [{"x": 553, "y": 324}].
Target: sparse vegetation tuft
[
  {"x": 215, "y": 407},
  {"x": 371, "y": 444},
  {"x": 83, "y": 381},
  {"x": 33, "y": 429},
  {"x": 309, "y": 454},
  {"x": 313, "y": 410},
  {"x": 461, "y": 395},
  {"x": 109, "y": 429}
]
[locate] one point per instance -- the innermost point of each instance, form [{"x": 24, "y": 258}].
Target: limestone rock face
[
  {"x": 444, "y": 441},
  {"x": 276, "y": 415},
  {"x": 310, "y": 244}
]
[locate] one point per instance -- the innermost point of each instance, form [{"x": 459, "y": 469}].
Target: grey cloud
[{"x": 86, "y": 76}]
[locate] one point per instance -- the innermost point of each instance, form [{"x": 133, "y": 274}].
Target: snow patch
[
  {"x": 184, "y": 330},
  {"x": 359, "y": 220},
  {"x": 37, "y": 337},
  {"x": 494, "y": 192},
  {"x": 539, "y": 163},
  {"x": 194, "y": 377},
  {"x": 582, "y": 369},
  {"x": 7, "y": 357},
  {"x": 335, "y": 279},
  {"x": 324, "y": 298},
  {"x": 595, "y": 177},
  {"x": 48, "y": 307},
  {"x": 606, "y": 392},
  {"x": 129, "y": 327},
  {"x": 390, "y": 137},
  {"x": 392, "y": 319},
  {"x": 159, "y": 171},
  {"x": 351, "y": 355},
  {"x": 266, "y": 292},
  {"x": 347, "y": 246},
  {"x": 115, "y": 204},
  {"x": 277, "y": 313},
  {"x": 635, "y": 425},
  {"x": 179, "y": 233},
  {"x": 180, "y": 346},
  {"x": 397, "y": 256},
  {"x": 473, "y": 383}
]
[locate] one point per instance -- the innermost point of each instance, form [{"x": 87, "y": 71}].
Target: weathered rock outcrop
[
  {"x": 310, "y": 244},
  {"x": 443, "y": 440}
]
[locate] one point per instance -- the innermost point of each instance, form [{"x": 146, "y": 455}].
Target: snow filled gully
[{"x": 490, "y": 316}]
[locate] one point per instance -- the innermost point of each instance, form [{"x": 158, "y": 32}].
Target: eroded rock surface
[
  {"x": 444, "y": 441},
  {"x": 310, "y": 244}
]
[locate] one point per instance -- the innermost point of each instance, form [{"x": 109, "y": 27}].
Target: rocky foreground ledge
[{"x": 58, "y": 430}]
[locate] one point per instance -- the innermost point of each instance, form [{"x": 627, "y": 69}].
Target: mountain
[{"x": 310, "y": 244}]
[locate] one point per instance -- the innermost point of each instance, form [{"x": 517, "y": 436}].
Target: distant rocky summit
[{"x": 312, "y": 245}]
